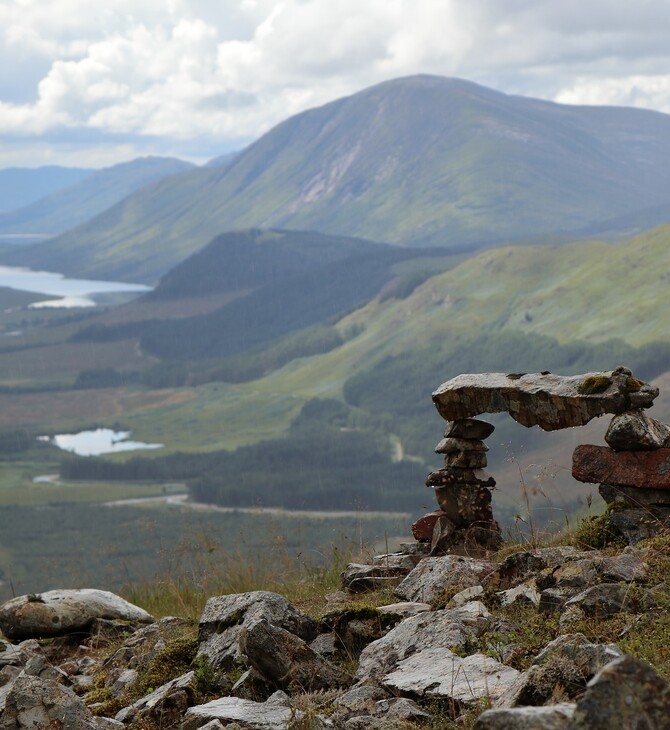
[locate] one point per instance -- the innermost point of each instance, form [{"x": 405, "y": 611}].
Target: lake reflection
[
  {"x": 70, "y": 292},
  {"x": 94, "y": 443}
]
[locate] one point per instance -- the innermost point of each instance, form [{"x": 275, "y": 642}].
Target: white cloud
[{"x": 196, "y": 69}]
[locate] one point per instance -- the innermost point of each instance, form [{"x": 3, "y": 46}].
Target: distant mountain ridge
[
  {"x": 422, "y": 160},
  {"x": 89, "y": 196},
  {"x": 21, "y": 186}
]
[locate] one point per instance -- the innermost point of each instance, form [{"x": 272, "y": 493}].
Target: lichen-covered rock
[
  {"x": 600, "y": 464},
  {"x": 224, "y": 617},
  {"x": 434, "y": 577},
  {"x": 438, "y": 672},
  {"x": 603, "y": 600},
  {"x": 546, "y": 400},
  {"x": 626, "y": 694},
  {"x": 635, "y": 431},
  {"x": 59, "y": 612},
  {"x": 274, "y": 714},
  {"x": 422, "y": 529},
  {"x": 165, "y": 705},
  {"x": 450, "y": 629},
  {"x": 552, "y": 717},
  {"x": 142, "y": 645},
  {"x": 287, "y": 660},
  {"x": 42, "y": 703}
]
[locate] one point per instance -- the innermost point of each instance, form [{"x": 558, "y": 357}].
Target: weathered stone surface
[
  {"x": 627, "y": 567},
  {"x": 603, "y": 600},
  {"x": 475, "y": 540},
  {"x": 455, "y": 446},
  {"x": 634, "y": 497},
  {"x": 275, "y": 714},
  {"x": 325, "y": 645},
  {"x": 397, "y": 561},
  {"x": 225, "y": 616},
  {"x": 470, "y": 429},
  {"x": 420, "y": 549},
  {"x": 640, "y": 524},
  {"x": 287, "y": 660},
  {"x": 634, "y": 431},
  {"x": 358, "y": 578},
  {"x": 405, "y": 609},
  {"x": 16, "y": 655},
  {"x": 627, "y": 694},
  {"x": 165, "y": 705},
  {"x": 553, "y": 599},
  {"x": 434, "y": 577},
  {"x": 448, "y": 477},
  {"x": 41, "y": 703},
  {"x": 520, "y": 594},
  {"x": 465, "y": 596},
  {"x": 451, "y": 628},
  {"x": 438, "y": 672},
  {"x": 553, "y": 717},
  {"x": 145, "y": 643},
  {"x": 59, "y": 612},
  {"x": 422, "y": 529},
  {"x": 466, "y": 460},
  {"x": 361, "y": 700},
  {"x": 600, "y": 464},
  {"x": 546, "y": 400},
  {"x": 463, "y": 504}
]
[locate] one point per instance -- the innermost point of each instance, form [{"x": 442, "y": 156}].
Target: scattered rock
[
  {"x": 224, "y": 618},
  {"x": 627, "y": 693},
  {"x": 165, "y": 705},
  {"x": 405, "y": 609},
  {"x": 146, "y": 642},
  {"x": 465, "y": 596},
  {"x": 359, "y": 578},
  {"x": 433, "y": 578},
  {"x": 449, "y": 629},
  {"x": 274, "y": 714},
  {"x": 42, "y": 703},
  {"x": 545, "y": 400},
  {"x": 524, "y": 593},
  {"x": 554, "y": 717},
  {"x": 438, "y": 672},
  {"x": 634, "y": 431},
  {"x": 603, "y": 600},
  {"x": 287, "y": 660},
  {"x": 55, "y": 613}
]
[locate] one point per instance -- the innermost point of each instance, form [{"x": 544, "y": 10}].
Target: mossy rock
[{"x": 594, "y": 384}]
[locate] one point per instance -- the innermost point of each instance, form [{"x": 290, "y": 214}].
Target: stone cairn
[
  {"x": 633, "y": 473},
  {"x": 464, "y": 523}
]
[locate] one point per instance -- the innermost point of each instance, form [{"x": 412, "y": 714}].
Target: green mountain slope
[
  {"x": 421, "y": 161},
  {"x": 20, "y": 186},
  {"x": 85, "y": 199}
]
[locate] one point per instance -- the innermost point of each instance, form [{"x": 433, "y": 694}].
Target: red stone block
[
  {"x": 422, "y": 529},
  {"x": 602, "y": 465}
]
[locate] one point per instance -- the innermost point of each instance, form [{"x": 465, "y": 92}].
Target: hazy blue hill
[
  {"x": 20, "y": 186},
  {"x": 87, "y": 198},
  {"x": 422, "y": 160}
]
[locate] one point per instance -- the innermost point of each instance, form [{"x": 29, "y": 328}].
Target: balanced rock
[
  {"x": 633, "y": 431},
  {"x": 600, "y": 464},
  {"x": 463, "y": 504},
  {"x": 542, "y": 399},
  {"x": 466, "y": 460},
  {"x": 447, "y": 477},
  {"x": 456, "y": 445},
  {"x": 59, "y": 612},
  {"x": 469, "y": 428}
]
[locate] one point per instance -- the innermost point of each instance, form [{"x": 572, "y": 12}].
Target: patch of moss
[
  {"x": 633, "y": 384},
  {"x": 597, "y": 532},
  {"x": 174, "y": 660},
  {"x": 594, "y": 384}
]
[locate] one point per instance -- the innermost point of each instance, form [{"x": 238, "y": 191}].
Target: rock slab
[
  {"x": 600, "y": 464},
  {"x": 542, "y": 399}
]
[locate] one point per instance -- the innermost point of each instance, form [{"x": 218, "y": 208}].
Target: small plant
[{"x": 594, "y": 384}]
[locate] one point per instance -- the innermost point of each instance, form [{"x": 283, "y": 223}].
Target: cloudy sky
[{"x": 95, "y": 83}]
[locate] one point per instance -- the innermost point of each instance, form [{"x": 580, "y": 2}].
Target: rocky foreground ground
[{"x": 553, "y": 638}]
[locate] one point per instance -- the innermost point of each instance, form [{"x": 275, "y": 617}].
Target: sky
[{"x": 91, "y": 84}]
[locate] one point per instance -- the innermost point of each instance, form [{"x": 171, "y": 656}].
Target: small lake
[
  {"x": 69, "y": 292},
  {"x": 95, "y": 443}
]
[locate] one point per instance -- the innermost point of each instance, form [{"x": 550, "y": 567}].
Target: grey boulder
[
  {"x": 224, "y": 617},
  {"x": 59, "y": 612},
  {"x": 552, "y": 717},
  {"x": 433, "y": 578}
]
